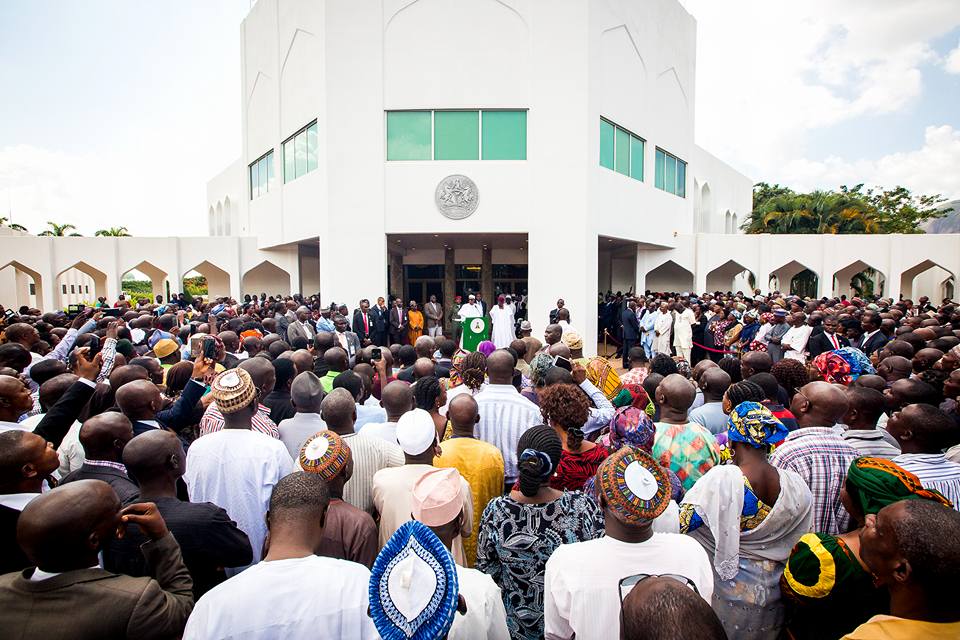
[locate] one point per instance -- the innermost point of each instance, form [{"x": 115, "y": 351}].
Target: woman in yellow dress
[{"x": 415, "y": 322}]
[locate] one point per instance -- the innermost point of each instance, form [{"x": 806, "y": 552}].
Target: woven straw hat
[{"x": 233, "y": 390}]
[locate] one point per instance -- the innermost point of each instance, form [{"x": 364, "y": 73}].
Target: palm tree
[
  {"x": 58, "y": 230},
  {"x": 816, "y": 212},
  {"x": 118, "y": 232},
  {"x": 4, "y": 220}
]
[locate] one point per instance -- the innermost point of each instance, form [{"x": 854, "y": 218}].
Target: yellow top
[
  {"x": 884, "y": 627},
  {"x": 481, "y": 464}
]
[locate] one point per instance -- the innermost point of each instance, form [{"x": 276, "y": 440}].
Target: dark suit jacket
[
  {"x": 119, "y": 480},
  {"x": 875, "y": 343},
  {"x": 359, "y": 329},
  {"x": 398, "y": 330},
  {"x": 209, "y": 541},
  {"x": 280, "y": 406},
  {"x": 12, "y": 557},
  {"x": 58, "y": 420},
  {"x": 93, "y": 603},
  {"x": 180, "y": 415},
  {"x": 631, "y": 326},
  {"x": 381, "y": 322},
  {"x": 820, "y": 343}
]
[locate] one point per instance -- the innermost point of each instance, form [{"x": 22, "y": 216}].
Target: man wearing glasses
[{"x": 585, "y": 582}]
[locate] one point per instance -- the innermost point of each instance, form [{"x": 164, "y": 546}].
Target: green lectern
[{"x": 475, "y": 331}]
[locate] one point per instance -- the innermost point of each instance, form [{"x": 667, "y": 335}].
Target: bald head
[
  {"x": 714, "y": 382},
  {"x": 154, "y": 456},
  {"x": 422, "y": 368},
  {"x": 339, "y": 411},
  {"x": 675, "y": 393},
  {"x": 64, "y": 529},
  {"x": 52, "y": 389},
  {"x": 463, "y": 413},
  {"x": 560, "y": 349},
  {"x": 306, "y": 393},
  {"x": 500, "y": 367},
  {"x": 700, "y": 367},
  {"x": 755, "y": 362},
  {"x": 657, "y": 607},
  {"x": 894, "y": 368},
  {"x": 424, "y": 347},
  {"x": 397, "y": 399},
  {"x": 262, "y": 372},
  {"x": 139, "y": 399},
  {"x": 819, "y": 404},
  {"x": 336, "y": 359},
  {"x": 105, "y": 435},
  {"x": 302, "y": 360}
]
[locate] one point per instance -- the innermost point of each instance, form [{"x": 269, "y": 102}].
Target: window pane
[
  {"x": 670, "y": 175},
  {"x": 312, "y": 147},
  {"x": 269, "y": 160},
  {"x": 300, "y": 153},
  {"x": 658, "y": 169},
  {"x": 636, "y": 158},
  {"x": 456, "y": 135},
  {"x": 408, "y": 135},
  {"x": 262, "y": 170},
  {"x": 504, "y": 135},
  {"x": 254, "y": 181},
  {"x": 681, "y": 178},
  {"x": 606, "y": 144},
  {"x": 622, "y": 152},
  {"x": 289, "y": 167}
]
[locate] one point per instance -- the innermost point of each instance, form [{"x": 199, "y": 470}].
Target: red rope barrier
[{"x": 697, "y": 344}]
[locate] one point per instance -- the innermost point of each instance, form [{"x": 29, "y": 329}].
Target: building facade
[{"x": 424, "y": 147}]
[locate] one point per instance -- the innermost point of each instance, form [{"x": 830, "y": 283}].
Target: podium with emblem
[{"x": 475, "y": 331}]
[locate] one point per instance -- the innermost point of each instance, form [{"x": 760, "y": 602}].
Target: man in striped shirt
[
  {"x": 923, "y": 432},
  {"x": 818, "y": 453},
  {"x": 864, "y": 410},
  {"x": 264, "y": 378},
  {"x": 504, "y": 413}
]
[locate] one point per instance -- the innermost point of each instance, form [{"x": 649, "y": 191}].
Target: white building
[{"x": 441, "y": 146}]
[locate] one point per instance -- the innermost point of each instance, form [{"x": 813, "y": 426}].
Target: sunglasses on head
[{"x": 628, "y": 583}]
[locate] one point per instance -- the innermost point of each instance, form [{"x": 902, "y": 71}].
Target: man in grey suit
[
  {"x": 347, "y": 340},
  {"x": 68, "y": 595},
  {"x": 302, "y": 327},
  {"x": 434, "y": 314}
]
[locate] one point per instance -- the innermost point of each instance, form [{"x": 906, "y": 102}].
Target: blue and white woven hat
[{"x": 413, "y": 586}]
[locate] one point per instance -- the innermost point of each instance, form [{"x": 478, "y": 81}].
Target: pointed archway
[
  {"x": 924, "y": 279},
  {"x": 80, "y": 283},
  {"x": 144, "y": 280},
  {"x": 669, "y": 277},
  {"x": 267, "y": 278},
  {"x": 27, "y": 283},
  {"x": 729, "y": 276},
  {"x": 796, "y": 279},
  {"x": 858, "y": 279},
  {"x": 207, "y": 280}
]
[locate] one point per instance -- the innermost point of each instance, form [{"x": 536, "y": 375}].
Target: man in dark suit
[
  {"x": 363, "y": 323},
  {"x": 103, "y": 438},
  {"x": 209, "y": 540},
  {"x": 631, "y": 331},
  {"x": 872, "y": 339},
  {"x": 828, "y": 340},
  {"x": 553, "y": 313},
  {"x": 140, "y": 401},
  {"x": 68, "y": 596},
  {"x": 380, "y": 316},
  {"x": 398, "y": 322}
]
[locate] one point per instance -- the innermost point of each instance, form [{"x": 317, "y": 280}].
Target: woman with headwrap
[
  {"x": 566, "y": 408},
  {"x": 833, "y": 368},
  {"x": 519, "y": 531},
  {"x": 415, "y": 324},
  {"x": 731, "y": 336},
  {"x": 826, "y": 586},
  {"x": 539, "y": 366},
  {"x": 747, "y": 516},
  {"x": 751, "y": 326}
]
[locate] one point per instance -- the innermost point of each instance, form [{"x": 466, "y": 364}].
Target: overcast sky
[{"x": 117, "y": 112}]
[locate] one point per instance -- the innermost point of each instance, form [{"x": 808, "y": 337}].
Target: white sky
[{"x": 117, "y": 112}]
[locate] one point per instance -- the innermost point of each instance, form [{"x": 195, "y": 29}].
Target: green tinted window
[
  {"x": 681, "y": 179},
  {"x": 254, "y": 181},
  {"x": 606, "y": 144},
  {"x": 504, "y": 135},
  {"x": 408, "y": 135},
  {"x": 636, "y": 158},
  {"x": 670, "y": 175},
  {"x": 456, "y": 135},
  {"x": 658, "y": 170},
  {"x": 289, "y": 167},
  {"x": 622, "y": 150},
  {"x": 261, "y": 175},
  {"x": 312, "y": 147}
]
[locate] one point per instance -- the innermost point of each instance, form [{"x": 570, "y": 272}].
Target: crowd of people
[{"x": 761, "y": 466}]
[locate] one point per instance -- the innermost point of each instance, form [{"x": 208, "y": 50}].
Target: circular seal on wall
[{"x": 457, "y": 197}]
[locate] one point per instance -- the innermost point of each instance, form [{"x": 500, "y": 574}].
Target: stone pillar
[
  {"x": 449, "y": 288},
  {"x": 396, "y": 276},
  {"x": 486, "y": 277}
]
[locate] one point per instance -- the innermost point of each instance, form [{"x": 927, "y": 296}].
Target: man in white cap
[
  {"x": 393, "y": 487},
  {"x": 438, "y": 503}
]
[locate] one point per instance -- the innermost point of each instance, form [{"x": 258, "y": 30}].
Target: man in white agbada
[
  {"x": 236, "y": 468},
  {"x": 469, "y": 310},
  {"x": 794, "y": 342},
  {"x": 293, "y": 592},
  {"x": 582, "y": 599},
  {"x": 662, "y": 330},
  {"x": 438, "y": 503},
  {"x": 501, "y": 318},
  {"x": 683, "y": 330}
]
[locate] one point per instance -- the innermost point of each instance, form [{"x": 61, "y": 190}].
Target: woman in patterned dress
[
  {"x": 566, "y": 409},
  {"x": 519, "y": 531}
]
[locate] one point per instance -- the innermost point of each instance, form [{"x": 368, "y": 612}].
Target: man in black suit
[
  {"x": 209, "y": 539},
  {"x": 363, "y": 323},
  {"x": 103, "y": 438},
  {"x": 555, "y": 312},
  {"x": 631, "y": 331},
  {"x": 398, "y": 322},
  {"x": 873, "y": 339},
  {"x": 140, "y": 401},
  {"x": 380, "y": 315},
  {"x": 828, "y": 340}
]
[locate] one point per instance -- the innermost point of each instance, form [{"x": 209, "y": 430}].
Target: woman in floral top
[{"x": 519, "y": 531}]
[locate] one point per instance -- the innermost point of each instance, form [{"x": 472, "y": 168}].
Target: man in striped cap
[
  {"x": 348, "y": 532},
  {"x": 580, "y": 598}
]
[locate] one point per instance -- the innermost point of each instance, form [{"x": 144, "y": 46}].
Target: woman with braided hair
[
  {"x": 467, "y": 375},
  {"x": 519, "y": 531},
  {"x": 565, "y": 408},
  {"x": 430, "y": 395}
]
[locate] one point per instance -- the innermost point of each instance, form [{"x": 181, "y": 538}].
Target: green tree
[
  {"x": 899, "y": 210},
  {"x": 762, "y": 192},
  {"x": 117, "y": 232},
  {"x": 58, "y": 230},
  {"x": 4, "y": 220}
]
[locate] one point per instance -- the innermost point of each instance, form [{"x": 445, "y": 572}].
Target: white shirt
[
  {"x": 19, "y": 426},
  {"x": 486, "y": 618},
  {"x": 797, "y": 338},
  {"x": 504, "y": 416},
  {"x": 295, "y": 431},
  {"x": 236, "y": 469},
  {"x": 470, "y": 310},
  {"x": 583, "y": 597},
  {"x": 383, "y": 430},
  {"x": 294, "y": 599},
  {"x": 367, "y": 414}
]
